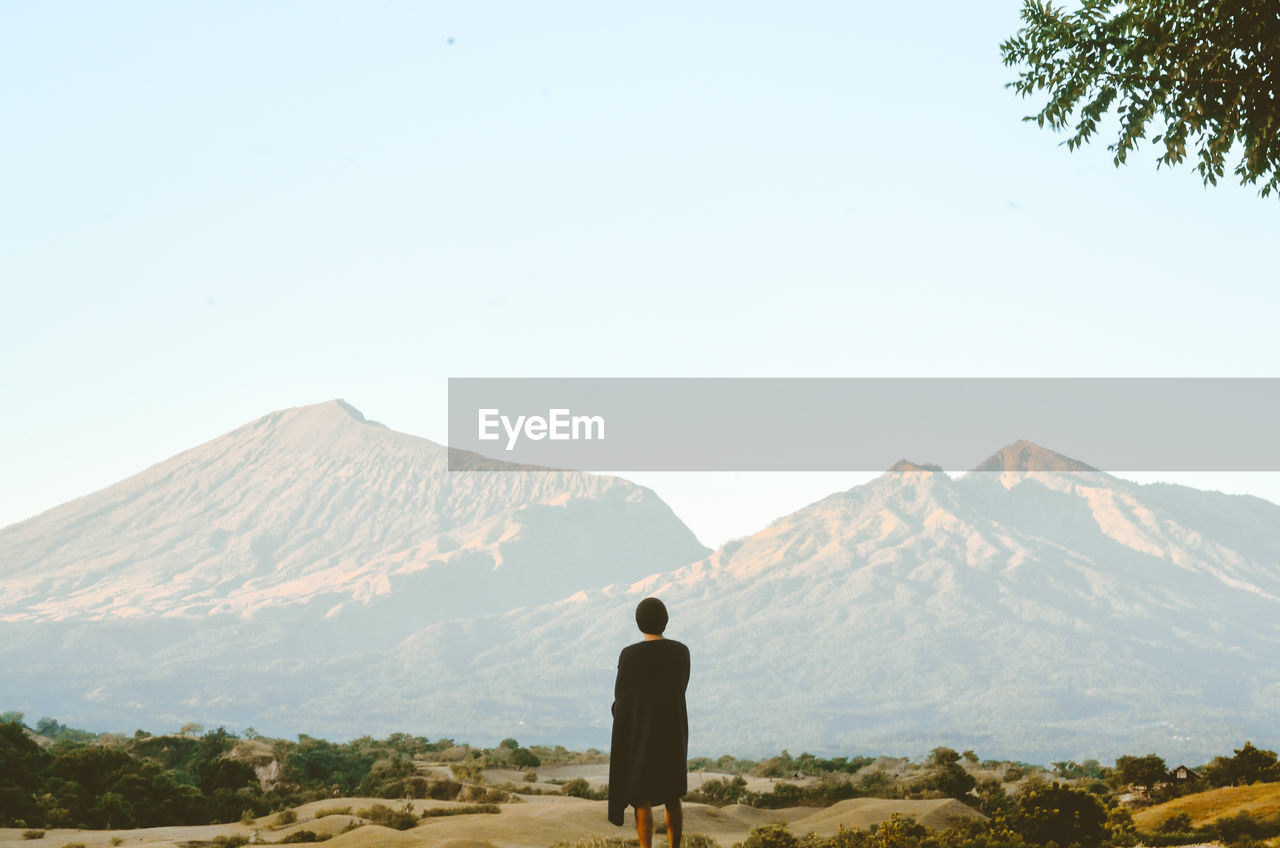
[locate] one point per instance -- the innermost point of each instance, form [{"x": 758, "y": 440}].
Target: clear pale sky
[{"x": 212, "y": 210}]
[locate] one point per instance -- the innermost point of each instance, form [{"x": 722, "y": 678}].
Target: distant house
[{"x": 1181, "y": 774}]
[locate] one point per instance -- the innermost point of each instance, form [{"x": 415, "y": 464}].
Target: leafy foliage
[
  {"x": 580, "y": 788},
  {"x": 464, "y": 810},
  {"x": 401, "y": 818},
  {"x": 1204, "y": 71},
  {"x": 1140, "y": 771},
  {"x": 1061, "y": 815},
  {"x": 1247, "y": 765}
]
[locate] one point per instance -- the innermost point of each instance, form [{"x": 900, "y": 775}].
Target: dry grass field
[
  {"x": 533, "y": 822},
  {"x": 1261, "y": 800}
]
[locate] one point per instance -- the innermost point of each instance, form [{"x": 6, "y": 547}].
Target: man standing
[{"x": 649, "y": 755}]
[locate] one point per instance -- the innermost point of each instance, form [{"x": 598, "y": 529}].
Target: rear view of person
[{"x": 648, "y": 759}]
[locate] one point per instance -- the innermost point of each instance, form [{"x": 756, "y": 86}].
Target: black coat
[{"x": 649, "y": 754}]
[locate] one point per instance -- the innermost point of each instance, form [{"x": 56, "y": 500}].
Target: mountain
[
  {"x": 309, "y": 539},
  {"x": 314, "y": 572},
  {"x": 318, "y": 507},
  {"x": 1035, "y": 608}
]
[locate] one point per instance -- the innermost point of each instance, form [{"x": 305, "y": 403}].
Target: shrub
[
  {"x": 444, "y": 790},
  {"x": 1242, "y": 828},
  {"x": 33, "y": 834},
  {"x": 469, "y": 809},
  {"x": 1060, "y": 814},
  {"x": 698, "y": 840},
  {"x": 1177, "y": 823},
  {"x": 381, "y": 814},
  {"x": 247, "y": 817},
  {"x": 719, "y": 791},
  {"x": 333, "y": 811},
  {"x": 74, "y": 845},
  {"x": 116, "y": 840},
  {"x": 234, "y": 840},
  {"x": 531, "y": 776},
  {"x": 286, "y": 817},
  {"x": 579, "y": 788},
  {"x": 466, "y": 771},
  {"x": 770, "y": 836},
  {"x": 483, "y": 795},
  {"x": 300, "y": 836}
]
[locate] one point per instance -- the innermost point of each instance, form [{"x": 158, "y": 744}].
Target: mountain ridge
[
  {"x": 300, "y": 503},
  {"x": 1021, "y": 610},
  {"x": 1056, "y": 614}
]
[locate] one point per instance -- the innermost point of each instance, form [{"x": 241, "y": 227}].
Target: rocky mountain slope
[
  {"x": 314, "y": 572},
  {"x": 229, "y": 579},
  {"x": 318, "y": 507},
  {"x": 1015, "y": 610}
]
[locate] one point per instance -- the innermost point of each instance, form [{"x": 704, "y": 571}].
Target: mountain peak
[
  {"x": 1028, "y": 456},
  {"x": 903, "y": 465},
  {"x": 325, "y": 416},
  {"x": 347, "y": 408}
]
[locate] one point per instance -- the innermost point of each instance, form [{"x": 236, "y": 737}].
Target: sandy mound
[
  {"x": 536, "y": 823},
  {"x": 369, "y": 836},
  {"x": 864, "y": 812}
]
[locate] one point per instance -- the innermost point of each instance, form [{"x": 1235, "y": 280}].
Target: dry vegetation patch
[{"x": 1259, "y": 800}]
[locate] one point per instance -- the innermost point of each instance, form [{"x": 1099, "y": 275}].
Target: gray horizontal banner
[{"x": 862, "y": 424}]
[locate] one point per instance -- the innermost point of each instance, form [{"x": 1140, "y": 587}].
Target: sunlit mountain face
[{"x": 316, "y": 572}]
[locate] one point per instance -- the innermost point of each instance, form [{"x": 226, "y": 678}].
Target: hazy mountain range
[{"x": 315, "y": 572}]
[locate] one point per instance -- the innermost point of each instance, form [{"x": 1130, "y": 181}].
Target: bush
[
  {"x": 469, "y": 809},
  {"x": 770, "y": 836},
  {"x": 1177, "y": 823},
  {"x": 300, "y": 836},
  {"x": 719, "y": 791},
  {"x": 698, "y": 840},
  {"x": 333, "y": 811},
  {"x": 285, "y": 817},
  {"x": 1062, "y": 815},
  {"x": 483, "y": 795},
  {"x": 234, "y": 840},
  {"x": 444, "y": 790},
  {"x": 531, "y": 776},
  {"x": 401, "y": 819},
  {"x": 579, "y": 788},
  {"x": 524, "y": 758},
  {"x": 33, "y": 834},
  {"x": 466, "y": 771},
  {"x": 74, "y": 845},
  {"x": 1242, "y": 828}
]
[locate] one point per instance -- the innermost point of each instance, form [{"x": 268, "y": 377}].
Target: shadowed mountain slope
[{"x": 1018, "y": 612}]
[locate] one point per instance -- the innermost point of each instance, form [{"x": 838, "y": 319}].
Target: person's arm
[{"x": 621, "y": 684}]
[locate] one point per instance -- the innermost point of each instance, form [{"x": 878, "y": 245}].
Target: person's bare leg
[
  {"x": 675, "y": 822},
  {"x": 644, "y": 825}
]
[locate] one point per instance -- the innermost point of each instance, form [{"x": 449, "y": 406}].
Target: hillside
[
  {"x": 535, "y": 822},
  {"x": 317, "y": 506},
  {"x": 1031, "y": 613},
  {"x": 1260, "y": 800},
  {"x": 1036, "y": 609},
  {"x": 225, "y": 583}
]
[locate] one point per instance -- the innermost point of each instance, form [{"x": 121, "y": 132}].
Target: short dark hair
[{"x": 651, "y": 616}]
